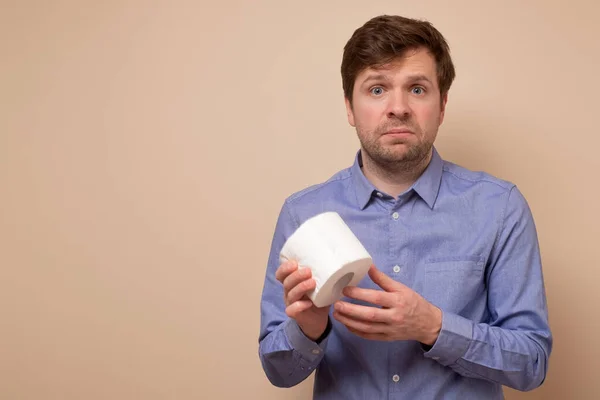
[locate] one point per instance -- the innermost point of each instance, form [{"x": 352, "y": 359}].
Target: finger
[
  {"x": 370, "y": 336},
  {"x": 285, "y": 269},
  {"x": 384, "y": 281},
  {"x": 378, "y": 297},
  {"x": 296, "y": 277},
  {"x": 360, "y": 326},
  {"x": 298, "y": 291},
  {"x": 363, "y": 313},
  {"x": 297, "y": 307}
]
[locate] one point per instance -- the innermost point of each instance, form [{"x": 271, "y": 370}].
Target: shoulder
[
  {"x": 459, "y": 175},
  {"x": 483, "y": 191}
]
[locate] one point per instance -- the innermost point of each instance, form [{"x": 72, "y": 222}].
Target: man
[{"x": 455, "y": 305}]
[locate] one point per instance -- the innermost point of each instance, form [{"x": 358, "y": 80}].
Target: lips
[{"x": 399, "y": 131}]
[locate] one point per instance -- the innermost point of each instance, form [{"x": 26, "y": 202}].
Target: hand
[
  {"x": 296, "y": 283},
  {"x": 404, "y": 314}
]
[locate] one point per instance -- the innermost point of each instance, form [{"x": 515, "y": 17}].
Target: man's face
[{"x": 397, "y": 109}]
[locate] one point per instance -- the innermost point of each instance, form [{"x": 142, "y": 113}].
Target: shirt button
[
  {"x": 395, "y": 215},
  {"x": 396, "y": 268},
  {"x": 316, "y": 351},
  {"x": 379, "y": 194},
  {"x": 396, "y": 378}
]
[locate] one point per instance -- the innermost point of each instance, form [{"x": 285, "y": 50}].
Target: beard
[{"x": 397, "y": 154}]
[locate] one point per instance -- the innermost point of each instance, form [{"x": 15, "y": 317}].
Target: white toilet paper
[{"x": 327, "y": 246}]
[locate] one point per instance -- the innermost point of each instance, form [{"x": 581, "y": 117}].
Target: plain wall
[{"x": 146, "y": 149}]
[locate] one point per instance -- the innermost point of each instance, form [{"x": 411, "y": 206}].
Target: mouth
[{"x": 399, "y": 132}]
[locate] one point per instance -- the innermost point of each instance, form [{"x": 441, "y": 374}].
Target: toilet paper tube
[{"x": 326, "y": 245}]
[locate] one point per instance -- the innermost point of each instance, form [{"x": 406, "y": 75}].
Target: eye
[
  {"x": 377, "y": 90},
  {"x": 418, "y": 90}
]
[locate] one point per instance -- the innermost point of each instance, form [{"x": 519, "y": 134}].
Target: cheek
[
  {"x": 428, "y": 116},
  {"x": 368, "y": 115}
]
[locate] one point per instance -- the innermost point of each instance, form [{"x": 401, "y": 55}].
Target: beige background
[{"x": 145, "y": 152}]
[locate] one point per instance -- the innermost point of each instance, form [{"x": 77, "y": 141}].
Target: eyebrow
[
  {"x": 418, "y": 78},
  {"x": 375, "y": 77},
  {"x": 411, "y": 78}
]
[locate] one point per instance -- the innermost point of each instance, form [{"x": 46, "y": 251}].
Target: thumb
[{"x": 384, "y": 281}]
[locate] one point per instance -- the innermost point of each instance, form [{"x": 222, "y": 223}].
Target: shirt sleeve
[
  {"x": 287, "y": 355},
  {"x": 514, "y": 346}
]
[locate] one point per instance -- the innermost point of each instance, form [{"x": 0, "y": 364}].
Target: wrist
[
  {"x": 316, "y": 333},
  {"x": 325, "y": 332},
  {"x": 433, "y": 326}
]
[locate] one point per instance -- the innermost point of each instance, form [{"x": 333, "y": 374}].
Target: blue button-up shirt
[{"x": 465, "y": 241}]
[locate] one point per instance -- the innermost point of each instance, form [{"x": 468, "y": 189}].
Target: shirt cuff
[
  {"x": 453, "y": 341},
  {"x": 309, "y": 350}
]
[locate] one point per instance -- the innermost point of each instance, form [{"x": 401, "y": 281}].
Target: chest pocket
[{"x": 451, "y": 284}]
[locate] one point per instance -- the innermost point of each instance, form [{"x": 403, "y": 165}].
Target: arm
[
  {"x": 513, "y": 347},
  {"x": 287, "y": 355}
]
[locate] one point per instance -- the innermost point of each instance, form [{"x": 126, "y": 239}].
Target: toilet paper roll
[{"x": 326, "y": 245}]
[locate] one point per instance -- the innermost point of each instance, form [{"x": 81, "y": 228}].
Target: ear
[
  {"x": 349, "y": 111},
  {"x": 443, "y": 108}
]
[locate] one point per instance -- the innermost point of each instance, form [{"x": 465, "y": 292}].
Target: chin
[
  {"x": 403, "y": 154},
  {"x": 392, "y": 158}
]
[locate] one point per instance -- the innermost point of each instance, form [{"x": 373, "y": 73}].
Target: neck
[{"x": 397, "y": 178}]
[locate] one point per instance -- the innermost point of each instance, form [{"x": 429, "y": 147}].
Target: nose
[{"x": 398, "y": 106}]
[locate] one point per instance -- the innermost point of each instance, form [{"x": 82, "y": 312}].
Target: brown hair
[{"x": 386, "y": 37}]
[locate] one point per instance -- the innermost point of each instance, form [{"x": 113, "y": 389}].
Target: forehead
[{"x": 412, "y": 62}]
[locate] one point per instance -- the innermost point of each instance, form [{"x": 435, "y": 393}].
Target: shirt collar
[
  {"x": 427, "y": 185},
  {"x": 363, "y": 187}
]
